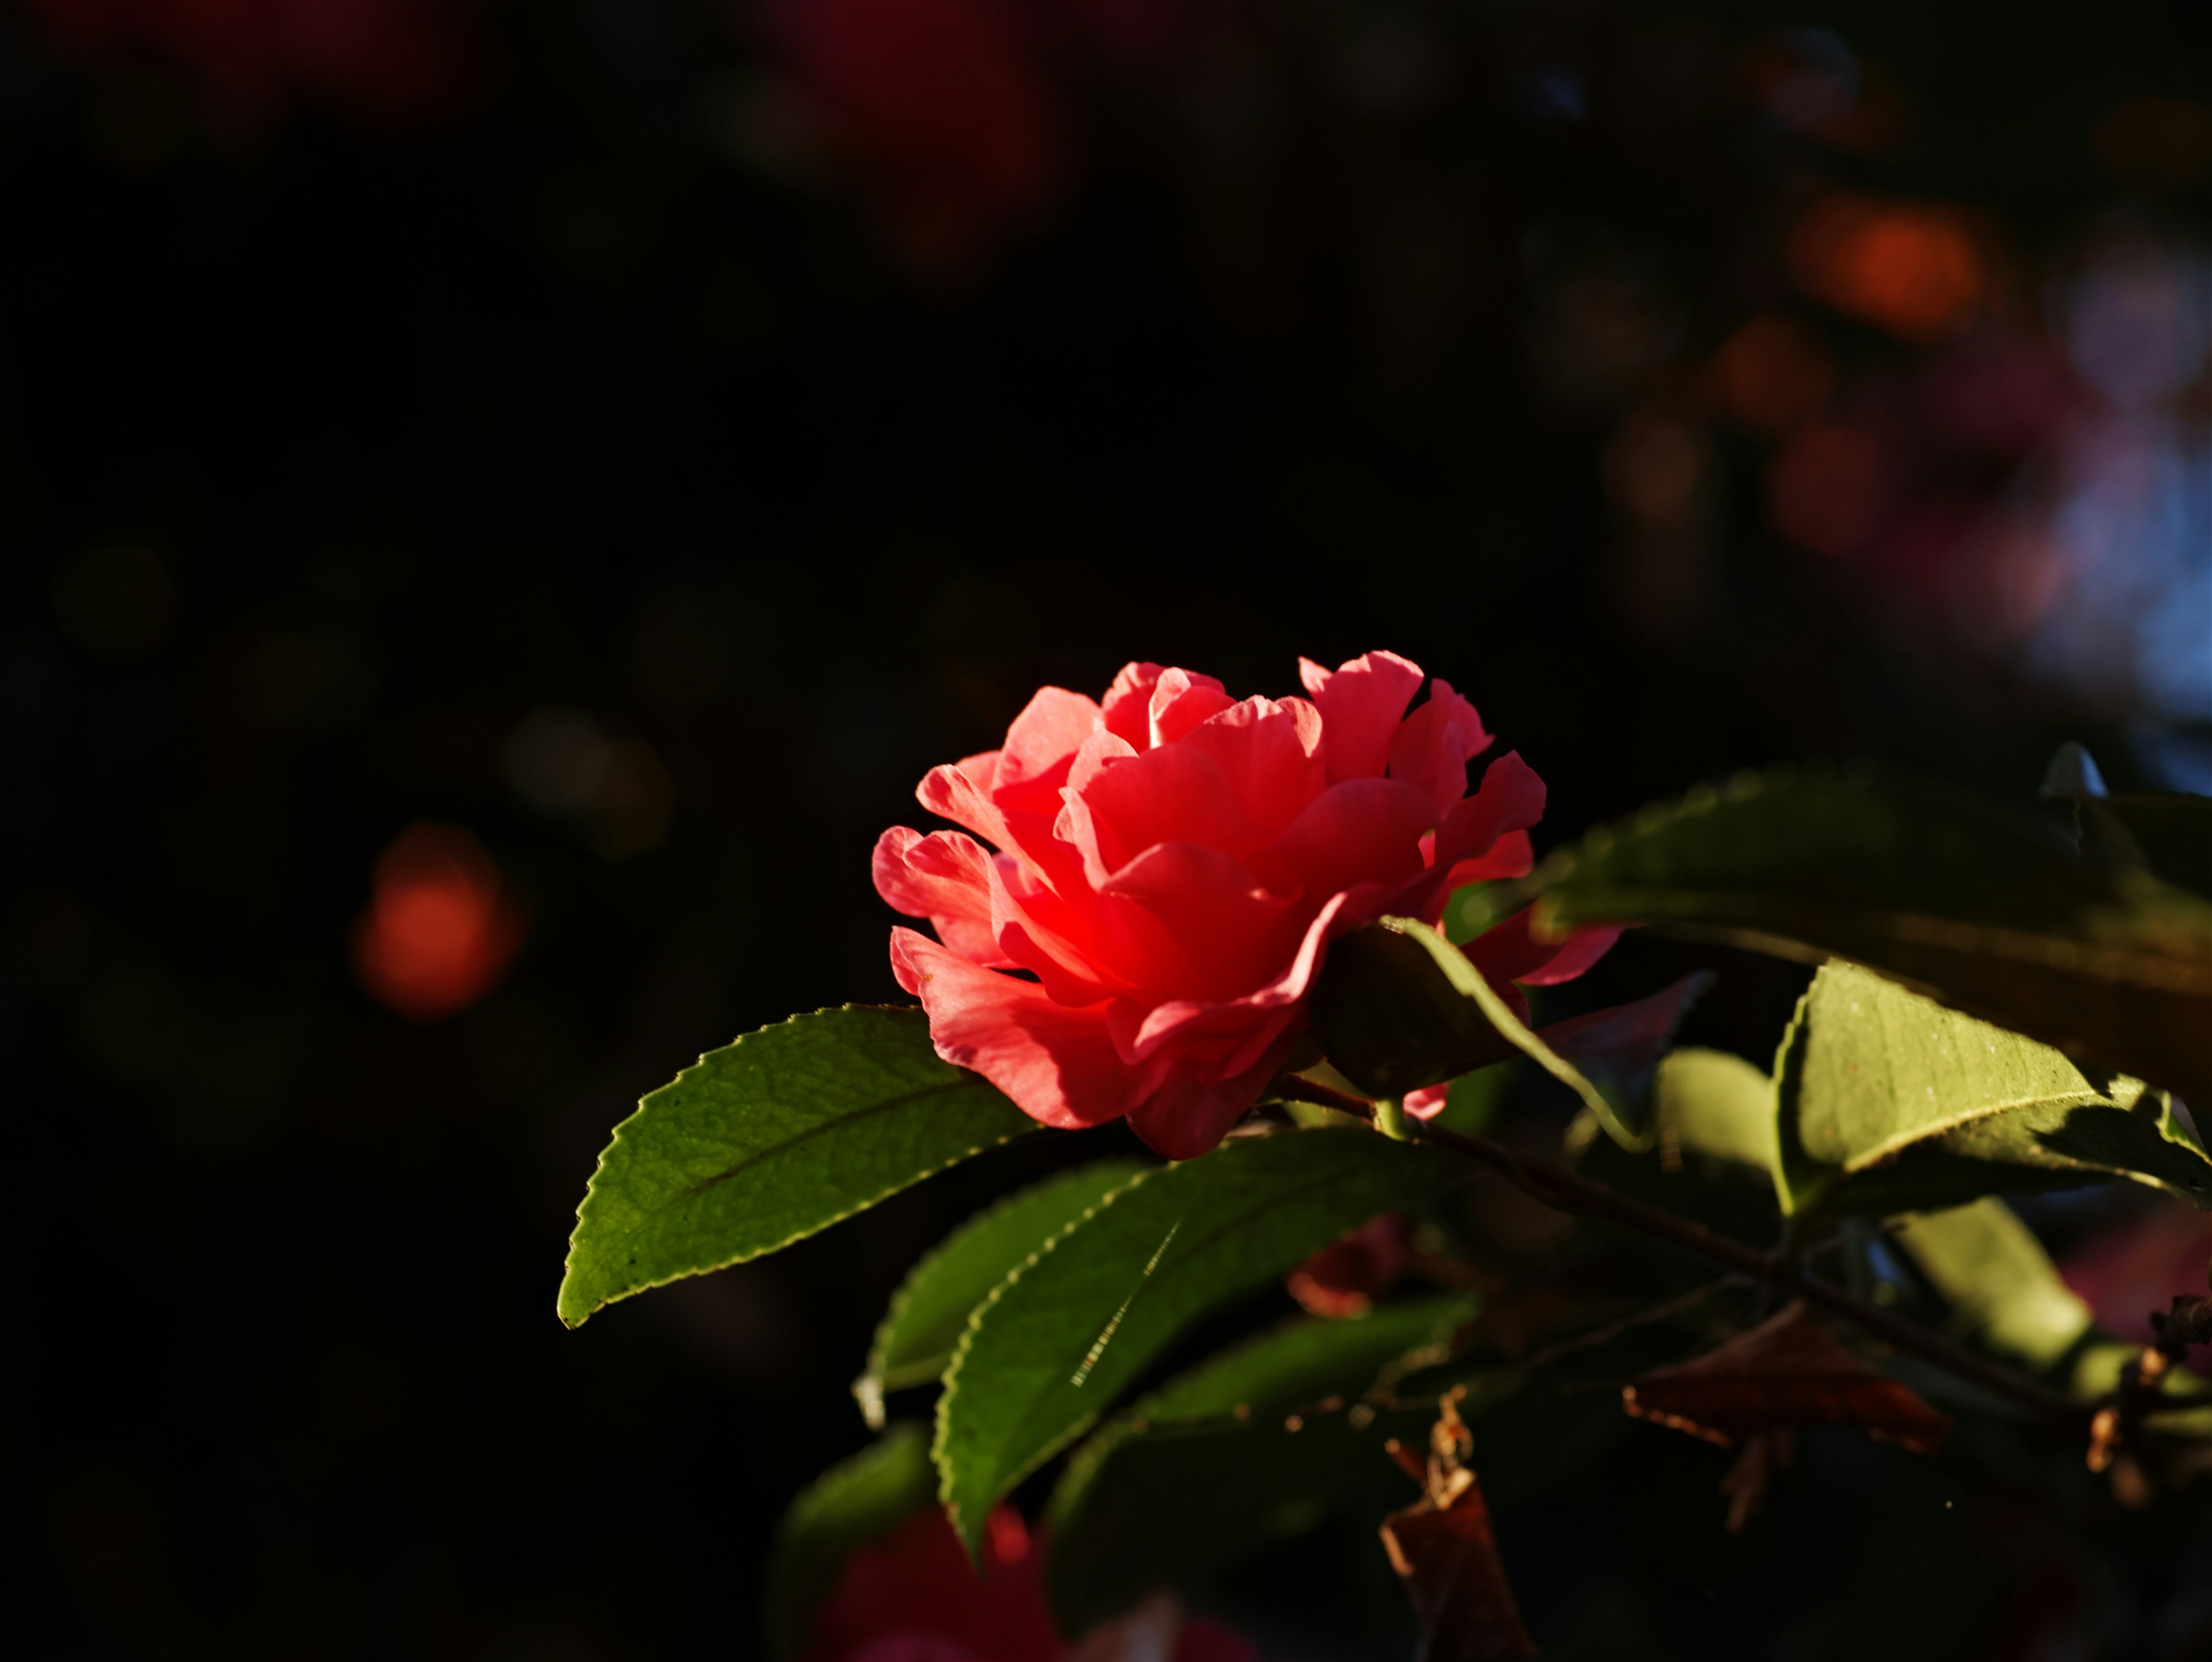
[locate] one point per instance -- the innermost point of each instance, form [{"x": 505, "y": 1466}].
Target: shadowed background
[{"x": 499, "y": 504}]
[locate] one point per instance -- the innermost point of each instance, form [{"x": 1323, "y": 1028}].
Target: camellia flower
[{"x": 1165, "y": 872}]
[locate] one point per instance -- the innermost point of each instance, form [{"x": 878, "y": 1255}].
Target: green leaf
[
  {"x": 842, "y": 1510},
  {"x": 2003, "y": 1289},
  {"x": 927, "y": 1314},
  {"x": 1888, "y": 1102},
  {"x": 1206, "y": 1470},
  {"x": 1712, "y": 1105},
  {"x": 1398, "y": 1007},
  {"x": 1062, "y": 1337},
  {"x": 1984, "y": 907},
  {"x": 770, "y": 1139}
]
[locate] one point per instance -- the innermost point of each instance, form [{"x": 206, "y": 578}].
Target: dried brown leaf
[
  {"x": 1443, "y": 1551},
  {"x": 1787, "y": 1372}
]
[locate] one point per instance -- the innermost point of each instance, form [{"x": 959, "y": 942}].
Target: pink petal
[
  {"x": 1312, "y": 676},
  {"x": 1180, "y": 702},
  {"x": 1511, "y": 800},
  {"x": 1427, "y": 1102},
  {"x": 1187, "y": 1114},
  {"x": 1057, "y": 1063},
  {"x": 1270, "y": 753},
  {"x": 1235, "y": 934},
  {"x": 1575, "y": 955},
  {"x": 943, "y": 877},
  {"x": 1510, "y": 951},
  {"x": 1360, "y": 705},
  {"x": 951, "y": 793},
  {"x": 1363, "y": 830},
  {"x": 1510, "y": 855},
  {"x": 1433, "y": 745},
  {"x": 1040, "y": 745},
  {"x": 1173, "y": 794},
  {"x": 1127, "y": 709}
]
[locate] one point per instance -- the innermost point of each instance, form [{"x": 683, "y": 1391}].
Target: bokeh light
[{"x": 440, "y": 928}]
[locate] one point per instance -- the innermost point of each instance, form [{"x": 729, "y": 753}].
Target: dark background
[{"x": 783, "y": 405}]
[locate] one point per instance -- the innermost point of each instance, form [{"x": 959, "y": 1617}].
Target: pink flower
[{"x": 1165, "y": 872}]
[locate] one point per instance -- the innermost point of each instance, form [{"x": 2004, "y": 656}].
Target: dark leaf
[
  {"x": 1787, "y": 1372},
  {"x": 1984, "y": 907},
  {"x": 1260, "y": 1442},
  {"x": 1062, "y": 1337},
  {"x": 845, "y": 1508}
]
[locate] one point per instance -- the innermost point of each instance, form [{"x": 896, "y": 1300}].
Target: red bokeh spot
[
  {"x": 1828, "y": 490},
  {"x": 1773, "y": 375},
  {"x": 942, "y": 107},
  {"x": 1911, "y": 269},
  {"x": 439, "y": 931}
]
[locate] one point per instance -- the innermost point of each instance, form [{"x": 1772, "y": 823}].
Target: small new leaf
[{"x": 769, "y": 1140}]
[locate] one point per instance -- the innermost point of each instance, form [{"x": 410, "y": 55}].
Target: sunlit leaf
[
  {"x": 2000, "y": 1284},
  {"x": 1891, "y": 1103},
  {"x": 1060, "y": 1338},
  {"x": 1787, "y": 1372},
  {"x": 1712, "y": 1105},
  {"x": 1258, "y": 1443},
  {"x": 1984, "y": 907},
  {"x": 917, "y": 1335},
  {"x": 843, "y": 1509},
  {"x": 770, "y": 1139}
]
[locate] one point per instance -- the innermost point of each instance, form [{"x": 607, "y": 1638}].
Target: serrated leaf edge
[
  {"x": 599, "y": 1169},
  {"x": 875, "y": 1377},
  {"x": 937, "y": 1453}
]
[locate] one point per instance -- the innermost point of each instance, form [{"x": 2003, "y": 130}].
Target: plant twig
[{"x": 1564, "y": 1190}]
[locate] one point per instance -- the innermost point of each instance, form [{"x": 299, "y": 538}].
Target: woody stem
[{"x": 1564, "y": 1190}]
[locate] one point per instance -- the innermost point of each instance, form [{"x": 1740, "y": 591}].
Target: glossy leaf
[
  {"x": 769, "y": 1140},
  {"x": 2004, "y": 1291},
  {"x": 1252, "y": 1446},
  {"x": 1888, "y": 1102},
  {"x": 1985, "y": 907},
  {"x": 1787, "y": 1372},
  {"x": 2171, "y": 834},
  {"x": 1060, "y": 1338},
  {"x": 843, "y": 1509},
  {"x": 916, "y": 1337},
  {"x": 1712, "y": 1105}
]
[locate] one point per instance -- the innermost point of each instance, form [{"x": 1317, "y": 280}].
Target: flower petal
[
  {"x": 1234, "y": 934},
  {"x": 1363, "y": 830},
  {"x": 1187, "y": 1114},
  {"x": 1180, "y": 702},
  {"x": 1270, "y": 753},
  {"x": 1360, "y": 706},
  {"x": 1058, "y": 1063},
  {"x": 1040, "y": 746},
  {"x": 1433, "y": 745},
  {"x": 943, "y": 877},
  {"x": 1176, "y": 794},
  {"x": 1127, "y": 708}
]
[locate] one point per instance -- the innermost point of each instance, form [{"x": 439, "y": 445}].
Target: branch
[{"x": 1569, "y": 1191}]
